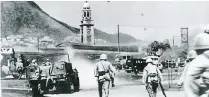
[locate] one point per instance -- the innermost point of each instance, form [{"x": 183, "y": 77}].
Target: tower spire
[{"x": 87, "y": 27}]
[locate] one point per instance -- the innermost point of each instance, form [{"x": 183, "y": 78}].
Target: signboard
[{"x": 184, "y": 35}]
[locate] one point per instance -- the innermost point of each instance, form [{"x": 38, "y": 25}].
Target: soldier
[
  {"x": 151, "y": 77},
  {"x": 191, "y": 55},
  {"x": 34, "y": 63},
  {"x": 112, "y": 76},
  {"x": 19, "y": 68},
  {"x": 48, "y": 62},
  {"x": 102, "y": 72},
  {"x": 27, "y": 62},
  {"x": 197, "y": 77}
]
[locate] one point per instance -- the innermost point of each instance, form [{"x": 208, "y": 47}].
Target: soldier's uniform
[
  {"x": 151, "y": 77},
  {"x": 102, "y": 72},
  {"x": 19, "y": 66},
  {"x": 197, "y": 77}
]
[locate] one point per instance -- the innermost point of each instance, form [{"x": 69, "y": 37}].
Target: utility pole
[
  {"x": 118, "y": 40},
  {"x": 173, "y": 40}
]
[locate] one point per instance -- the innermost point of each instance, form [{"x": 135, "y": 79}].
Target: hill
[{"x": 29, "y": 20}]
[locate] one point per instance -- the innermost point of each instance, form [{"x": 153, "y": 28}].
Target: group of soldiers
[{"x": 195, "y": 76}]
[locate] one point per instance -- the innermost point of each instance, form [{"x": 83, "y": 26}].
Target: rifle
[
  {"x": 161, "y": 86},
  {"x": 163, "y": 91}
]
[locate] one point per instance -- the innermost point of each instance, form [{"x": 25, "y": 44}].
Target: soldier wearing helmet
[
  {"x": 34, "y": 63},
  {"x": 151, "y": 77},
  {"x": 48, "y": 63},
  {"x": 197, "y": 77},
  {"x": 102, "y": 72},
  {"x": 191, "y": 55}
]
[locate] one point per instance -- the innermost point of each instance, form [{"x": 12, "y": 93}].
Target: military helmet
[
  {"x": 191, "y": 54},
  {"x": 149, "y": 60},
  {"x": 34, "y": 60},
  {"x": 201, "y": 41},
  {"x": 103, "y": 56},
  {"x": 206, "y": 29}
]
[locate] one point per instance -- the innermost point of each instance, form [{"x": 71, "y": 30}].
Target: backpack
[
  {"x": 104, "y": 76},
  {"x": 152, "y": 74}
]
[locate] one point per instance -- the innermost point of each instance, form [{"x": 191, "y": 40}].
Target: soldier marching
[{"x": 103, "y": 71}]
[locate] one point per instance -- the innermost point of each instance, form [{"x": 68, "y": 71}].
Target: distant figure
[
  {"x": 191, "y": 55},
  {"x": 151, "y": 77},
  {"x": 102, "y": 72},
  {"x": 19, "y": 68},
  {"x": 27, "y": 62},
  {"x": 19, "y": 65},
  {"x": 43, "y": 64},
  {"x": 48, "y": 63},
  {"x": 34, "y": 63},
  {"x": 5, "y": 70},
  {"x": 197, "y": 77},
  {"x": 12, "y": 65},
  {"x": 112, "y": 76}
]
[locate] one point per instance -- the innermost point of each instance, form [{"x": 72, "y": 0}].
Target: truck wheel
[
  {"x": 36, "y": 93},
  {"x": 68, "y": 86}
]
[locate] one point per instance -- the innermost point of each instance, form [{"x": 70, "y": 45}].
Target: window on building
[
  {"x": 84, "y": 14},
  {"x": 87, "y": 14}
]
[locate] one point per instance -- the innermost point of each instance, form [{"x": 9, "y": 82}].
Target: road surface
[{"x": 127, "y": 85}]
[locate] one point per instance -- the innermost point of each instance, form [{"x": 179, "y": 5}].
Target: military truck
[
  {"x": 129, "y": 65},
  {"x": 138, "y": 65},
  {"x": 10, "y": 62},
  {"x": 59, "y": 77}
]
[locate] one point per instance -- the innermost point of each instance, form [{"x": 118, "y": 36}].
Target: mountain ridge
[{"x": 28, "y": 19}]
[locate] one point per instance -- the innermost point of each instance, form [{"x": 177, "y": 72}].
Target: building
[{"x": 87, "y": 27}]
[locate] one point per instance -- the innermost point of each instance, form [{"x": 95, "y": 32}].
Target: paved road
[
  {"x": 127, "y": 85},
  {"x": 121, "y": 91}
]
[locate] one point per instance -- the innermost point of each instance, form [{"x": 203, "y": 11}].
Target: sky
[{"x": 161, "y": 19}]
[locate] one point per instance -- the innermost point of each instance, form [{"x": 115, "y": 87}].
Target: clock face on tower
[
  {"x": 88, "y": 31},
  {"x": 184, "y": 38}
]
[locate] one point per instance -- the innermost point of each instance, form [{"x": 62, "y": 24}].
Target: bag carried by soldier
[
  {"x": 152, "y": 75},
  {"x": 103, "y": 75}
]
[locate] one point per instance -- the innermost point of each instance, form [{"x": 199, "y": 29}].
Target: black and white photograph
[{"x": 104, "y": 48}]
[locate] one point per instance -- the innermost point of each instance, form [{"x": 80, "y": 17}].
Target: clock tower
[{"x": 87, "y": 27}]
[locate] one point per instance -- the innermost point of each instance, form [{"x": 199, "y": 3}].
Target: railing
[{"x": 107, "y": 48}]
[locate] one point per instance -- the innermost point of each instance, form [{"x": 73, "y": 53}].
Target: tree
[{"x": 157, "y": 48}]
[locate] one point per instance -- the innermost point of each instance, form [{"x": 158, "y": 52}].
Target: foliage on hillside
[{"x": 113, "y": 38}]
